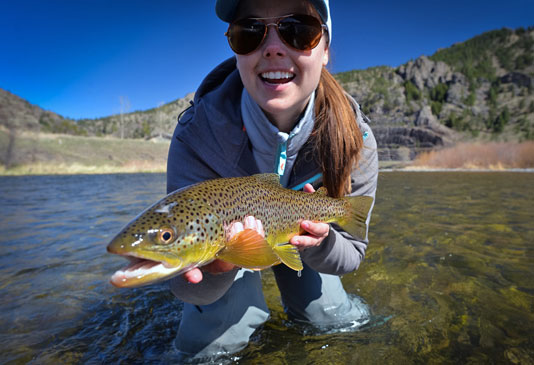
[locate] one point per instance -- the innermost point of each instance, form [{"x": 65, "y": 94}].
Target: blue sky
[{"x": 78, "y": 57}]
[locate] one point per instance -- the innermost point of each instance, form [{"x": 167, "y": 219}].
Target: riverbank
[
  {"x": 56, "y": 154},
  {"x": 493, "y": 156}
]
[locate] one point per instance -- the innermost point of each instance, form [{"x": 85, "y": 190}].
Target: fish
[{"x": 188, "y": 227}]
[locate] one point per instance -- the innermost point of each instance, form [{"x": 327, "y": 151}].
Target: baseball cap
[{"x": 226, "y": 9}]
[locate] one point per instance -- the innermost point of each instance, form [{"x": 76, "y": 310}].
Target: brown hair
[{"x": 337, "y": 136}]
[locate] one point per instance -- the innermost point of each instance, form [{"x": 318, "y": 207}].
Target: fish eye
[{"x": 166, "y": 235}]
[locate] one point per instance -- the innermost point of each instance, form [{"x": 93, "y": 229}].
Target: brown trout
[{"x": 187, "y": 228}]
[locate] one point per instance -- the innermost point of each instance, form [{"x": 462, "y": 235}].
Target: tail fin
[{"x": 357, "y": 212}]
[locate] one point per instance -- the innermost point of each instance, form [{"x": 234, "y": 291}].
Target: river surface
[{"x": 448, "y": 277}]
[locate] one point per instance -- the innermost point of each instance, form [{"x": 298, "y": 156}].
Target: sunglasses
[{"x": 298, "y": 31}]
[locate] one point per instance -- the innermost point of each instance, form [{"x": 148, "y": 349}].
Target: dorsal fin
[
  {"x": 271, "y": 178},
  {"x": 322, "y": 191}
]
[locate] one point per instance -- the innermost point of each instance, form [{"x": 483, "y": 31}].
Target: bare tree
[
  {"x": 10, "y": 150},
  {"x": 13, "y": 125},
  {"x": 125, "y": 107},
  {"x": 161, "y": 120}
]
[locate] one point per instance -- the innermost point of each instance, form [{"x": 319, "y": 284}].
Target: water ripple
[{"x": 448, "y": 276}]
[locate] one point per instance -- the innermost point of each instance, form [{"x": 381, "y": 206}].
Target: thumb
[{"x": 308, "y": 188}]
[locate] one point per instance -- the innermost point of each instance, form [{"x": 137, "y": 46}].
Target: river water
[{"x": 449, "y": 276}]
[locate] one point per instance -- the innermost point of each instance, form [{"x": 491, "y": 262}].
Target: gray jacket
[{"x": 210, "y": 142}]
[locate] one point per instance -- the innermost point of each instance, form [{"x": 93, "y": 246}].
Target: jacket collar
[{"x": 214, "y": 128}]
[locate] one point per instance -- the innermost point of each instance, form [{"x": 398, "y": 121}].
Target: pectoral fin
[
  {"x": 289, "y": 255},
  {"x": 250, "y": 250}
]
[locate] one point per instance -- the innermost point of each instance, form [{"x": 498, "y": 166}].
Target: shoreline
[
  {"x": 445, "y": 169},
  {"x": 59, "y": 154},
  {"x": 149, "y": 168},
  {"x": 78, "y": 169}
]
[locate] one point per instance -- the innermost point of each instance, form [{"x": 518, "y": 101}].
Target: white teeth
[
  {"x": 141, "y": 269},
  {"x": 277, "y": 75}
]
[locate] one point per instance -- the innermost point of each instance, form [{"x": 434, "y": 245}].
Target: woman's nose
[{"x": 273, "y": 45}]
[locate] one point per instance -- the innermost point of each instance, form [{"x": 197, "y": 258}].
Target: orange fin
[
  {"x": 250, "y": 250},
  {"x": 289, "y": 255}
]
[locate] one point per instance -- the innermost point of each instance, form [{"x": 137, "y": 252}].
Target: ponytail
[{"x": 337, "y": 136}]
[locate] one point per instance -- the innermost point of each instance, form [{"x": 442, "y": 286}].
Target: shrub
[
  {"x": 456, "y": 122},
  {"x": 490, "y": 155},
  {"x": 439, "y": 92},
  {"x": 411, "y": 91},
  {"x": 492, "y": 94},
  {"x": 523, "y": 61},
  {"x": 505, "y": 57},
  {"x": 436, "y": 107},
  {"x": 498, "y": 123},
  {"x": 470, "y": 100}
]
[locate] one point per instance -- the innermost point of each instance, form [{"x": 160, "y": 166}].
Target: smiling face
[{"x": 279, "y": 78}]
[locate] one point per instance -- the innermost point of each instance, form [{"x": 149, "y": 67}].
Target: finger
[
  {"x": 260, "y": 228},
  {"x": 250, "y": 223},
  {"x": 308, "y": 188},
  {"x": 234, "y": 229},
  {"x": 193, "y": 276},
  {"x": 318, "y": 229},
  {"x": 306, "y": 241},
  {"x": 218, "y": 267}
]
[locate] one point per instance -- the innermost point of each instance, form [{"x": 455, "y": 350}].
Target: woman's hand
[
  {"x": 317, "y": 231},
  {"x": 194, "y": 276}
]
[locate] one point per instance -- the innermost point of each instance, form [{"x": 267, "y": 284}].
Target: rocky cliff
[{"x": 481, "y": 89}]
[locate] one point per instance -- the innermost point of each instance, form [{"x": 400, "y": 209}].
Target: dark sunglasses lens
[
  {"x": 246, "y": 35},
  {"x": 302, "y": 32}
]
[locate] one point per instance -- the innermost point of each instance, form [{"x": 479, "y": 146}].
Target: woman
[{"x": 273, "y": 108}]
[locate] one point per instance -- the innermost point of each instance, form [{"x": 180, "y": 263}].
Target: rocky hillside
[
  {"x": 480, "y": 89},
  {"x": 17, "y": 114},
  {"x": 156, "y": 122}
]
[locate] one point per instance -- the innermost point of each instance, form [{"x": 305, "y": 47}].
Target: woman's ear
[{"x": 326, "y": 56}]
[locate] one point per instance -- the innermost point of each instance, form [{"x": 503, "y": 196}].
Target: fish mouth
[{"x": 141, "y": 271}]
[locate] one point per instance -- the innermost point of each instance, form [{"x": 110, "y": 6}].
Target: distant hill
[
  {"x": 18, "y": 114},
  {"x": 480, "y": 89}
]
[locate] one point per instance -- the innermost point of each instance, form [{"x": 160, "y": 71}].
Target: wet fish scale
[{"x": 188, "y": 227}]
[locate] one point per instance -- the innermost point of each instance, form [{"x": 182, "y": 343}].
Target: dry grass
[
  {"x": 77, "y": 168},
  {"x": 494, "y": 156},
  {"x": 48, "y": 154}
]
